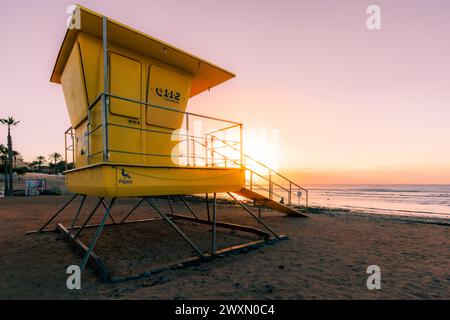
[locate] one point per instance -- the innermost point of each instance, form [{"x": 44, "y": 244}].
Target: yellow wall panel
[
  {"x": 159, "y": 147},
  {"x": 125, "y": 81},
  {"x": 72, "y": 82},
  {"x": 170, "y": 89},
  {"x": 124, "y": 143},
  {"x": 92, "y": 62},
  {"x": 81, "y": 145}
]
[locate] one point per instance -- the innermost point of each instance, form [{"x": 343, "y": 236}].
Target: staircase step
[{"x": 263, "y": 200}]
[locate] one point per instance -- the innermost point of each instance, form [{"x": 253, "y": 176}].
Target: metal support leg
[
  {"x": 170, "y": 204},
  {"x": 207, "y": 206},
  {"x": 174, "y": 226},
  {"x": 105, "y": 98},
  {"x": 89, "y": 217},
  {"x": 97, "y": 235},
  {"x": 132, "y": 210},
  {"x": 213, "y": 248},
  {"x": 251, "y": 213},
  {"x": 110, "y": 215},
  {"x": 188, "y": 206},
  {"x": 77, "y": 214},
  {"x": 57, "y": 213}
]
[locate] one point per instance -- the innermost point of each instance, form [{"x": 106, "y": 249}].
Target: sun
[{"x": 262, "y": 145}]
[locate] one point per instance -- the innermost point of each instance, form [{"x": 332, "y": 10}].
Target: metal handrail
[
  {"x": 271, "y": 171},
  {"x": 105, "y": 123},
  {"x": 71, "y": 147},
  {"x": 172, "y": 109},
  {"x": 271, "y": 183},
  {"x": 260, "y": 187},
  {"x": 261, "y": 164}
]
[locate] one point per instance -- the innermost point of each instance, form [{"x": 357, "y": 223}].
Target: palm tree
[
  {"x": 40, "y": 160},
  {"x": 55, "y": 157},
  {"x": 19, "y": 159},
  {"x": 33, "y": 165},
  {"x": 3, "y": 153},
  {"x": 3, "y": 157},
  {"x": 16, "y": 156},
  {"x": 10, "y": 121}
]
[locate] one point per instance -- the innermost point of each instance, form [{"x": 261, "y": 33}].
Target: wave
[{"x": 411, "y": 199}]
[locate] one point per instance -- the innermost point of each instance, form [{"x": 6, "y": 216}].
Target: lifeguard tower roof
[{"x": 205, "y": 74}]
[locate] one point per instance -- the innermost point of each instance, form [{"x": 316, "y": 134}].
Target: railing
[
  {"x": 69, "y": 146},
  {"x": 285, "y": 191},
  {"x": 186, "y": 144},
  {"x": 268, "y": 182}
]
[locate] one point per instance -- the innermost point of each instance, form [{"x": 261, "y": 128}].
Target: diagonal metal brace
[
  {"x": 256, "y": 218},
  {"x": 58, "y": 212},
  {"x": 110, "y": 214},
  {"x": 188, "y": 206},
  {"x": 77, "y": 214},
  {"x": 174, "y": 226},
  {"x": 96, "y": 236},
  {"x": 89, "y": 217},
  {"x": 132, "y": 210}
]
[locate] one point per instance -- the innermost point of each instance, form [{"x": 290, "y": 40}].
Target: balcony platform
[{"x": 125, "y": 180}]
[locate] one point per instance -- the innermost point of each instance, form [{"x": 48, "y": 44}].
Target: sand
[{"x": 325, "y": 257}]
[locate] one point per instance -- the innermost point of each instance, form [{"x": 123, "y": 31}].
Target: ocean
[{"x": 414, "y": 200}]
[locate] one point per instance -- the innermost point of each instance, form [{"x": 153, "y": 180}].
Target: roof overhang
[{"x": 205, "y": 74}]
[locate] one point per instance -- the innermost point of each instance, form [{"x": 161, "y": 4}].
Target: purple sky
[{"x": 345, "y": 99}]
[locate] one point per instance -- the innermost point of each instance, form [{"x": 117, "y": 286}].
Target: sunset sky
[{"x": 350, "y": 105}]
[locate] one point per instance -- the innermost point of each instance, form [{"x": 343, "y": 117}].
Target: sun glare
[{"x": 263, "y": 146}]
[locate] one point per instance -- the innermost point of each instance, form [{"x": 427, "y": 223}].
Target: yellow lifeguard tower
[{"x": 126, "y": 94}]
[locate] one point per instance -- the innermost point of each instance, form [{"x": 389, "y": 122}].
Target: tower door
[{"x": 125, "y": 137}]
